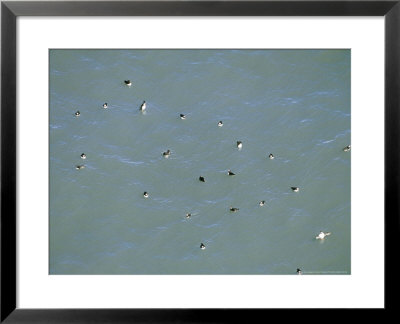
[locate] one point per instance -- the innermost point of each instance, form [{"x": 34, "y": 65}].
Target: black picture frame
[{"x": 10, "y": 10}]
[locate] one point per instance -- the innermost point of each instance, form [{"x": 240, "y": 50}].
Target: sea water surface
[{"x": 294, "y": 104}]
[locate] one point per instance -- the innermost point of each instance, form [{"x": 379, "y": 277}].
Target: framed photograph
[{"x": 193, "y": 160}]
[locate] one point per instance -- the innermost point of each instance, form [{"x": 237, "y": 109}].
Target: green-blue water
[{"x": 292, "y": 103}]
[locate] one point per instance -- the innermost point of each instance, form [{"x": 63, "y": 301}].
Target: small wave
[
  {"x": 121, "y": 159},
  {"x": 344, "y": 133},
  {"x": 94, "y": 122},
  {"x": 322, "y": 93},
  {"x": 126, "y": 246},
  {"x": 208, "y": 226},
  {"x": 212, "y": 202},
  {"x": 70, "y": 260},
  {"x": 77, "y": 137},
  {"x": 162, "y": 228},
  {"x": 163, "y": 200},
  {"x": 131, "y": 162},
  {"x": 58, "y": 72}
]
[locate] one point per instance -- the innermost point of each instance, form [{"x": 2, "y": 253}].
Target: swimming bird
[
  {"x": 322, "y": 235},
  {"x": 182, "y": 116},
  {"x": 83, "y": 156},
  {"x": 188, "y": 215},
  {"x": 145, "y": 194},
  {"x": 143, "y": 106},
  {"x": 220, "y": 124},
  {"x": 202, "y": 179},
  {"x": 128, "y": 82},
  {"x": 299, "y": 271},
  {"x": 295, "y": 189},
  {"x": 233, "y": 209},
  {"x": 230, "y": 173},
  {"x": 347, "y": 148},
  {"x": 167, "y": 154},
  {"x": 80, "y": 167},
  {"x": 77, "y": 114},
  {"x": 239, "y": 144},
  {"x": 202, "y": 246},
  {"x": 105, "y": 105},
  {"x": 262, "y": 203},
  {"x": 271, "y": 156}
]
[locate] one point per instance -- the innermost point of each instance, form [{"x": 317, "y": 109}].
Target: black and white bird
[
  {"x": 202, "y": 246},
  {"x": 233, "y": 209},
  {"x": 77, "y": 114},
  {"x": 202, "y": 179},
  {"x": 295, "y": 189},
  {"x": 105, "y": 105},
  {"x": 220, "y": 124},
  {"x": 262, "y": 203},
  {"x": 83, "y": 156},
  {"x": 128, "y": 82},
  {"x": 271, "y": 156},
  {"x": 80, "y": 167},
  {"x": 230, "y": 173},
  {"x": 166, "y": 154},
  {"x": 182, "y": 116},
  {"x": 143, "y": 106},
  {"x": 146, "y": 194},
  {"x": 239, "y": 145},
  {"x": 347, "y": 148}
]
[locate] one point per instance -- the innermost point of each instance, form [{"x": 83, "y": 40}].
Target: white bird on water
[{"x": 322, "y": 235}]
